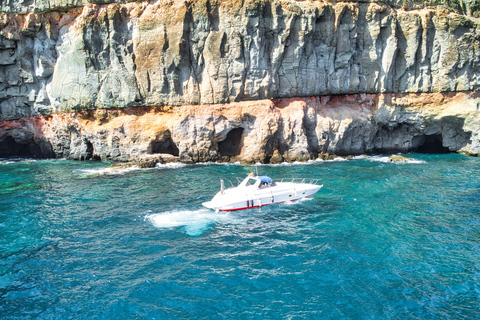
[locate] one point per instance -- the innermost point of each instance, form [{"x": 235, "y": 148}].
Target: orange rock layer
[{"x": 254, "y": 131}]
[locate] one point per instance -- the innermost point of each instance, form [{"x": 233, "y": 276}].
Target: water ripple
[{"x": 379, "y": 241}]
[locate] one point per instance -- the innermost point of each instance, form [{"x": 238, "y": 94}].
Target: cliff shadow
[
  {"x": 88, "y": 151},
  {"x": 451, "y": 138},
  {"x": 164, "y": 144},
  {"x": 232, "y": 145},
  {"x": 21, "y": 140},
  {"x": 444, "y": 136},
  {"x": 430, "y": 144},
  {"x": 9, "y": 147}
]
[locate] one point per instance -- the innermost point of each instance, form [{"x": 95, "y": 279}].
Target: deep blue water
[{"x": 378, "y": 241}]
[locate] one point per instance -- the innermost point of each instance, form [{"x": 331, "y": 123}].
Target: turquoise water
[{"x": 379, "y": 241}]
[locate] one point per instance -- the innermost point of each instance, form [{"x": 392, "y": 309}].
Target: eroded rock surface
[
  {"x": 264, "y": 131},
  {"x": 203, "y": 52},
  {"x": 220, "y": 80}
]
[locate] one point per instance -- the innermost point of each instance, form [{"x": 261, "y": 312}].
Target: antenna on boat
[
  {"x": 222, "y": 186},
  {"x": 256, "y": 169}
]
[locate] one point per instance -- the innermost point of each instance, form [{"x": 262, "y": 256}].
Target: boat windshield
[{"x": 259, "y": 181}]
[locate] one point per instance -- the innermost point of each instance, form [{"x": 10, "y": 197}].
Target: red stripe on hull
[{"x": 263, "y": 205}]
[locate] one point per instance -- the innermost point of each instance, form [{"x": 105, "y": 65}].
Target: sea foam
[
  {"x": 386, "y": 159},
  {"x": 108, "y": 171},
  {"x": 170, "y": 165},
  {"x": 194, "y": 222}
]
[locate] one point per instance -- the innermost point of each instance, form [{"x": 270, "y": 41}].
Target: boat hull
[{"x": 247, "y": 198}]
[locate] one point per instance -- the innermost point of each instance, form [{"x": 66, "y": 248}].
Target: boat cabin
[{"x": 265, "y": 182}]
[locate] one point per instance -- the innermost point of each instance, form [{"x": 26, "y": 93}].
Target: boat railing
[
  {"x": 228, "y": 183},
  {"x": 292, "y": 180},
  {"x": 299, "y": 180}
]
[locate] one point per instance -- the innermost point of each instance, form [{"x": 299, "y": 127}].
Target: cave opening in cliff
[
  {"x": 431, "y": 144},
  {"x": 164, "y": 145},
  {"x": 90, "y": 153},
  {"x": 232, "y": 145},
  {"x": 9, "y": 148}
]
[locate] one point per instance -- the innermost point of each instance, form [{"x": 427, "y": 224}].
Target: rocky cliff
[
  {"x": 133, "y": 57},
  {"x": 251, "y": 131}
]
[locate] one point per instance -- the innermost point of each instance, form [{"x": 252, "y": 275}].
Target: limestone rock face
[
  {"x": 255, "y": 131},
  {"x": 202, "y": 52},
  {"x": 31, "y": 6}
]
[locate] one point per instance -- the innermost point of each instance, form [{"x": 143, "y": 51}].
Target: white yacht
[{"x": 257, "y": 191}]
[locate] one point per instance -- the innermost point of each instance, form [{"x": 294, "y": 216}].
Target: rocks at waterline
[{"x": 256, "y": 131}]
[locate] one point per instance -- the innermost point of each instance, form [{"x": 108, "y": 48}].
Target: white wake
[{"x": 194, "y": 222}]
